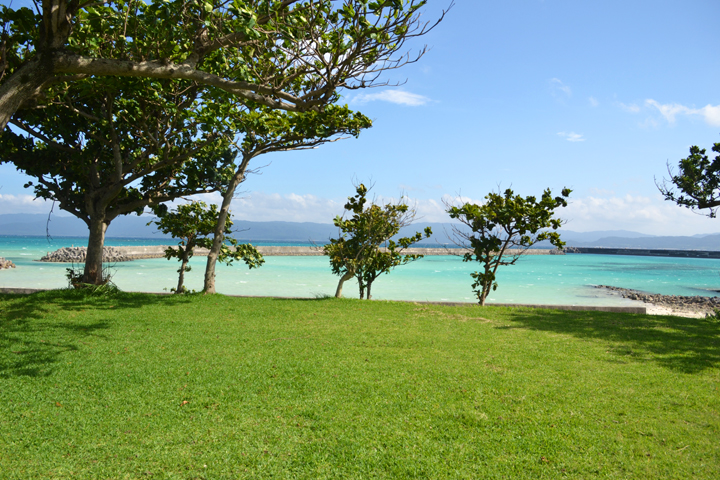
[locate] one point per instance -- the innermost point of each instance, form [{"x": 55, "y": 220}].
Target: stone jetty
[
  {"x": 77, "y": 255},
  {"x": 6, "y": 264}
]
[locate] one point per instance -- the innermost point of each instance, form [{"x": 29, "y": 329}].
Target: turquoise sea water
[{"x": 538, "y": 279}]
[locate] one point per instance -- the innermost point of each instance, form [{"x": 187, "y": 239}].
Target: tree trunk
[
  {"x": 343, "y": 279},
  {"x": 22, "y": 86},
  {"x": 181, "y": 273},
  {"x": 219, "y": 233},
  {"x": 369, "y": 286},
  {"x": 218, "y": 238},
  {"x": 93, "y": 273}
]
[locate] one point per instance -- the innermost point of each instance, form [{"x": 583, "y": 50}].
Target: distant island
[{"x": 132, "y": 226}]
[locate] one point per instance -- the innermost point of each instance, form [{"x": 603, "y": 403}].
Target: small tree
[
  {"x": 697, "y": 182},
  {"x": 194, "y": 223},
  {"x": 502, "y": 229},
  {"x": 357, "y": 253},
  {"x": 265, "y": 131}
]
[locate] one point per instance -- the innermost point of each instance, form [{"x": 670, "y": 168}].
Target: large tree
[
  {"x": 122, "y": 145},
  {"x": 265, "y": 131},
  {"x": 499, "y": 231},
  {"x": 697, "y": 182},
  {"x": 284, "y": 54}
]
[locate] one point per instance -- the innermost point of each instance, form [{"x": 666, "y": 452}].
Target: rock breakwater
[
  {"x": 678, "y": 303},
  {"x": 78, "y": 254},
  {"x": 6, "y": 264}
]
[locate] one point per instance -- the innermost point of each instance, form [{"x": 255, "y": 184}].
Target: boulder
[{"x": 6, "y": 264}]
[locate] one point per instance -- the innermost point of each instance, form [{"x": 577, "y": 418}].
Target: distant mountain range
[{"x": 132, "y": 226}]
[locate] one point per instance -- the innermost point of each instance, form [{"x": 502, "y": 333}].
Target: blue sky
[{"x": 529, "y": 94}]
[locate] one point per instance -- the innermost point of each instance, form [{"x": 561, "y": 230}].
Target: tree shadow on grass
[
  {"x": 30, "y": 326},
  {"x": 687, "y": 345}
]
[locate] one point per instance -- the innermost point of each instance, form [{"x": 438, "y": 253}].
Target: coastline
[
  {"x": 677, "y": 305},
  {"x": 535, "y": 280},
  {"x": 663, "y": 307}
]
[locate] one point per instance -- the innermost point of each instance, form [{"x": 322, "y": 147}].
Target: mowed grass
[{"x": 212, "y": 387}]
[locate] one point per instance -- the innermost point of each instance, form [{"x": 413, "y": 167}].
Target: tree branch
[{"x": 42, "y": 137}]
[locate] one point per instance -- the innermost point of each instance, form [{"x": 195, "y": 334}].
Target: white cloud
[
  {"x": 653, "y": 216},
  {"x": 602, "y": 210},
  {"x": 557, "y": 85},
  {"x": 399, "y": 97},
  {"x": 25, "y": 204},
  {"x": 264, "y": 207},
  {"x": 572, "y": 136},
  {"x": 710, "y": 113},
  {"x": 593, "y": 102}
]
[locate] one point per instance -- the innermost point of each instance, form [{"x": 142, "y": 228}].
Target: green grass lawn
[{"x": 145, "y": 386}]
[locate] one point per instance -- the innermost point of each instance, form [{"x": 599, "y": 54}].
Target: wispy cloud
[
  {"x": 710, "y": 113},
  {"x": 634, "y": 212},
  {"x": 632, "y": 107},
  {"x": 399, "y": 97},
  {"x": 558, "y": 86},
  {"x": 572, "y": 136},
  {"x": 593, "y": 101}
]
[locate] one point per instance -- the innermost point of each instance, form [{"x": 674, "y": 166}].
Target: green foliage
[
  {"x": 502, "y": 229},
  {"x": 697, "y": 181},
  {"x": 123, "y": 144},
  {"x": 194, "y": 224},
  {"x": 290, "y": 55},
  {"x": 357, "y": 251}
]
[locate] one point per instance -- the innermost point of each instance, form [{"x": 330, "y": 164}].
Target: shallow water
[{"x": 536, "y": 279}]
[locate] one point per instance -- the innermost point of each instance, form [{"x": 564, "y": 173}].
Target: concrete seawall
[
  {"x": 645, "y": 252},
  {"x": 158, "y": 251}
]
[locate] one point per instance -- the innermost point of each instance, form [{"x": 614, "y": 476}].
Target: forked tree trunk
[
  {"x": 343, "y": 279},
  {"x": 93, "y": 273}
]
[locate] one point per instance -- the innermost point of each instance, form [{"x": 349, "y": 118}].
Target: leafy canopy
[
  {"x": 697, "y": 183},
  {"x": 122, "y": 144},
  {"x": 284, "y": 54}
]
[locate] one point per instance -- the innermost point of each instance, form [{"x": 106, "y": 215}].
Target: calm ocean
[{"x": 537, "y": 279}]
